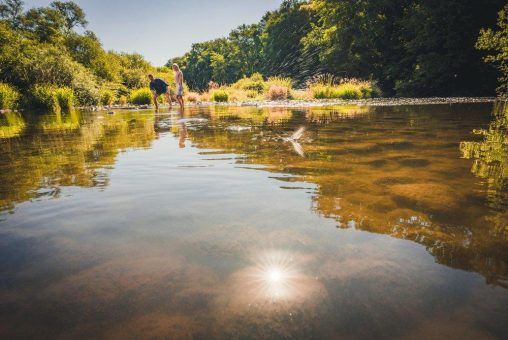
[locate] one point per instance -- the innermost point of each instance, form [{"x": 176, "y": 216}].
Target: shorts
[
  {"x": 179, "y": 91},
  {"x": 161, "y": 91}
]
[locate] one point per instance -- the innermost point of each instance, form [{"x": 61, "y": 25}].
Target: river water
[{"x": 370, "y": 222}]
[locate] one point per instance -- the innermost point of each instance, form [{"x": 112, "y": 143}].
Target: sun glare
[{"x": 274, "y": 276}]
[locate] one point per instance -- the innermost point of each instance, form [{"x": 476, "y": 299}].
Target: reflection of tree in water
[
  {"x": 11, "y": 125},
  {"x": 491, "y": 156},
  {"x": 385, "y": 171},
  {"x": 60, "y": 151}
]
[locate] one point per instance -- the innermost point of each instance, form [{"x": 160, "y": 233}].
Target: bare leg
[
  {"x": 180, "y": 101},
  {"x": 155, "y": 96},
  {"x": 168, "y": 98}
]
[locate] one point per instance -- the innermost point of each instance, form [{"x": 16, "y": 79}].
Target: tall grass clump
[
  {"x": 66, "y": 99},
  {"x": 107, "y": 97},
  {"x": 192, "y": 97},
  {"x": 220, "y": 96},
  {"x": 279, "y": 88},
  {"x": 45, "y": 98},
  {"x": 141, "y": 97},
  {"x": 253, "y": 83},
  {"x": 276, "y": 92},
  {"x": 328, "y": 87},
  {"x": 9, "y": 97}
]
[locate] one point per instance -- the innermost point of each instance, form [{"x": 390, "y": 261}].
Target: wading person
[
  {"x": 179, "y": 84},
  {"x": 159, "y": 87}
]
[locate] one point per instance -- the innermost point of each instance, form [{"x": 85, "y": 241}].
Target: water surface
[{"x": 386, "y": 222}]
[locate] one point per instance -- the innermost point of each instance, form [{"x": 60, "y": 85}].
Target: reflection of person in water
[
  {"x": 166, "y": 125},
  {"x": 182, "y": 131}
]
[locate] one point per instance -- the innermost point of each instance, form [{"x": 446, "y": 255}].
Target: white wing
[{"x": 298, "y": 133}]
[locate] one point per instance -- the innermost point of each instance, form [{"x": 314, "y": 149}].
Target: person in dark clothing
[{"x": 159, "y": 87}]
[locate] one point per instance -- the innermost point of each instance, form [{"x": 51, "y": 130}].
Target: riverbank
[{"x": 315, "y": 103}]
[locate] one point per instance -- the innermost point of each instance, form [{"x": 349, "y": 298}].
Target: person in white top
[{"x": 179, "y": 84}]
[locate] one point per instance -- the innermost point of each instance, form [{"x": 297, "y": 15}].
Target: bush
[
  {"x": 45, "y": 98},
  {"x": 8, "y": 96},
  {"x": 252, "y": 83},
  {"x": 192, "y": 97},
  {"x": 277, "y": 93},
  {"x": 347, "y": 91},
  {"x": 122, "y": 100},
  {"x": 301, "y": 94},
  {"x": 66, "y": 99},
  {"x": 280, "y": 81},
  {"x": 141, "y": 97},
  {"x": 342, "y": 91},
  {"x": 220, "y": 96},
  {"x": 107, "y": 97}
]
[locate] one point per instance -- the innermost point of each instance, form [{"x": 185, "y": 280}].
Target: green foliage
[
  {"x": 9, "y": 96},
  {"x": 107, "y": 97},
  {"x": 66, "y": 99},
  {"x": 141, "y": 97},
  {"x": 41, "y": 47},
  {"x": 410, "y": 48},
  {"x": 352, "y": 89},
  {"x": 496, "y": 42},
  {"x": 220, "y": 95},
  {"x": 252, "y": 83},
  {"x": 45, "y": 98}
]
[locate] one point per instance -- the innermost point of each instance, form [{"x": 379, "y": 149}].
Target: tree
[
  {"x": 73, "y": 14},
  {"x": 283, "y": 31},
  {"x": 12, "y": 12},
  {"x": 496, "y": 42}
]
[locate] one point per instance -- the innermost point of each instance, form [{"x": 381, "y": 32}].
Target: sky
[{"x": 163, "y": 29}]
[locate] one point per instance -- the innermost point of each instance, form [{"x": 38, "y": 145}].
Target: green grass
[
  {"x": 9, "y": 97},
  {"x": 220, "y": 96},
  {"x": 141, "y": 97}
]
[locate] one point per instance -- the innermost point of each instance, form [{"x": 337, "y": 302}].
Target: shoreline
[
  {"x": 306, "y": 103},
  {"x": 318, "y": 103}
]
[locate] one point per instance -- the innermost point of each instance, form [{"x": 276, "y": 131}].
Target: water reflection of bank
[{"x": 53, "y": 151}]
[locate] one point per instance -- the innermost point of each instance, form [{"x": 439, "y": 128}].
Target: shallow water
[{"x": 386, "y": 222}]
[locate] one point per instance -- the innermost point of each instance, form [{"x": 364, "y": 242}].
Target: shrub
[
  {"x": 347, "y": 91},
  {"x": 205, "y": 97},
  {"x": 66, "y": 99},
  {"x": 280, "y": 81},
  {"x": 301, "y": 94},
  {"x": 45, "y": 98},
  {"x": 252, "y": 83},
  {"x": 8, "y": 96},
  {"x": 220, "y": 95},
  {"x": 107, "y": 97},
  {"x": 122, "y": 100},
  {"x": 321, "y": 91},
  {"x": 141, "y": 97},
  {"x": 277, "y": 93},
  {"x": 343, "y": 91},
  {"x": 251, "y": 94},
  {"x": 192, "y": 97}
]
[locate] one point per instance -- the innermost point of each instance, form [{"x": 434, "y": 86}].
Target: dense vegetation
[
  {"x": 41, "y": 51},
  {"x": 399, "y": 47},
  {"x": 410, "y": 47}
]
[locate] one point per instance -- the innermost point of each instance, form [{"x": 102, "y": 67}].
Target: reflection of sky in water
[{"x": 198, "y": 242}]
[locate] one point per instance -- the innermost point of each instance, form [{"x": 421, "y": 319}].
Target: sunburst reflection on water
[{"x": 274, "y": 280}]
